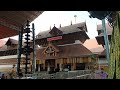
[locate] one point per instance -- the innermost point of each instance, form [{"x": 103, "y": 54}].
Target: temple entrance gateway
[{"x": 50, "y": 65}]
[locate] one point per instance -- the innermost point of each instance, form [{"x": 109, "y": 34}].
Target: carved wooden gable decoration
[
  {"x": 51, "y": 50},
  {"x": 55, "y": 31},
  {"x": 83, "y": 27}
]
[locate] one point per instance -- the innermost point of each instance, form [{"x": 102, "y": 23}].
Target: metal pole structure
[
  {"x": 75, "y": 18},
  {"x": 34, "y": 49},
  {"x": 106, "y": 41},
  {"x": 27, "y": 48},
  {"x": 19, "y": 50}
]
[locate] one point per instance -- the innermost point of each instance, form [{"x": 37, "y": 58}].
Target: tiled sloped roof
[
  {"x": 100, "y": 37},
  {"x": 4, "y": 45},
  {"x": 108, "y": 29},
  {"x": 73, "y": 50},
  {"x": 19, "y": 17},
  {"x": 66, "y": 29},
  {"x": 12, "y": 21},
  {"x": 13, "y": 41},
  {"x": 7, "y": 32}
]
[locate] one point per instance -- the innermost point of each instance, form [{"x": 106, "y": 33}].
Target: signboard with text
[{"x": 54, "y": 38}]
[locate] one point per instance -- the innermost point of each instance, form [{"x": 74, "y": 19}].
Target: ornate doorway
[{"x": 50, "y": 65}]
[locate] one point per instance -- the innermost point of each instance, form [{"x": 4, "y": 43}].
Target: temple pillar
[
  {"x": 38, "y": 67},
  {"x": 48, "y": 68},
  {"x": 60, "y": 65},
  {"x": 74, "y": 66},
  {"x": 44, "y": 64}
]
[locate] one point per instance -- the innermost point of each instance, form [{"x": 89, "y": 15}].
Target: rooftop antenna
[
  {"x": 71, "y": 22},
  {"x": 50, "y": 27},
  {"x": 60, "y": 25},
  {"x": 75, "y": 17}
]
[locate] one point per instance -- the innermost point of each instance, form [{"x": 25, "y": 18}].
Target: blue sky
[{"x": 49, "y": 18}]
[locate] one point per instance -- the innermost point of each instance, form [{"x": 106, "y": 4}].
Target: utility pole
[
  {"x": 34, "y": 49},
  {"x": 106, "y": 41},
  {"x": 19, "y": 51}
]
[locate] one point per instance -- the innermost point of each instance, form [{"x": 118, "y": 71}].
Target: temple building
[
  {"x": 57, "y": 48},
  {"x": 61, "y": 48}
]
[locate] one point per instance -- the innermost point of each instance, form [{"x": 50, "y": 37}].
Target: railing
[
  {"x": 77, "y": 74},
  {"x": 86, "y": 76}
]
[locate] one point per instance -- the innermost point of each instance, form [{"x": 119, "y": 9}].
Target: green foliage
[
  {"x": 115, "y": 49},
  {"x": 94, "y": 56}
]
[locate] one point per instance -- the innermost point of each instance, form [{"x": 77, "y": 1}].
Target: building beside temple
[
  {"x": 61, "y": 48},
  {"x": 8, "y": 53},
  {"x": 100, "y": 37},
  {"x": 103, "y": 63}
]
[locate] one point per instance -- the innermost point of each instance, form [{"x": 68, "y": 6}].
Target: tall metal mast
[
  {"x": 106, "y": 41},
  {"x": 34, "y": 49},
  {"x": 19, "y": 50},
  {"x": 27, "y": 48}
]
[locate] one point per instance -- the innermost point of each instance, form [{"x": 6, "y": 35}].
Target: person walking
[{"x": 103, "y": 74}]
